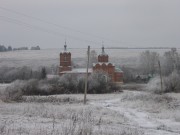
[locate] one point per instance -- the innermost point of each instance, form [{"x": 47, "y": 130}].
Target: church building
[
  {"x": 103, "y": 64},
  {"x": 65, "y": 60}
]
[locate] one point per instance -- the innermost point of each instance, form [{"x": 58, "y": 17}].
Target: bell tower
[
  {"x": 65, "y": 60},
  {"x": 103, "y": 57}
]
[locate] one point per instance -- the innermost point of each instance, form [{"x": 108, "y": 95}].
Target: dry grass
[
  {"x": 66, "y": 119},
  {"x": 66, "y": 115}
]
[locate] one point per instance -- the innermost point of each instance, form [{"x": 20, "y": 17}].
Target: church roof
[
  {"x": 103, "y": 52},
  {"x": 100, "y": 63},
  {"x": 78, "y": 71}
]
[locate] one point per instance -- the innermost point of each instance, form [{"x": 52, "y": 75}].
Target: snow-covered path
[{"x": 137, "y": 119}]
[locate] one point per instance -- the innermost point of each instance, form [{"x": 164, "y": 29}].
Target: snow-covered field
[
  {"x": 49, "y": 57},
  {"x": 126, "y": 113}
]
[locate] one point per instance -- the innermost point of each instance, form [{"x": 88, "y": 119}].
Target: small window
[{"x": 65, "y": 58}]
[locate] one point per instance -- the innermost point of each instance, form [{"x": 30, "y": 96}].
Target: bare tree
[
  {"x": 43, "y": 73},
  {"x": 93, "y": 58},
  {"x": 172, "y": 82},
  {"x": 149, "y": 62},
  {"x": 171, "y": 62}
]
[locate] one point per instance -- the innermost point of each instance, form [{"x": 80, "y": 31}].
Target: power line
[
  {"x": 17, "y": 22},
  {"x": 70, "y": 29},
  {"x": 57, "y": 25}
]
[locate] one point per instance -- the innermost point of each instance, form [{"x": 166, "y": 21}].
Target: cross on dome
[
  {"x": 65, "y": 47},
  {"x": 103, "y": 52}
]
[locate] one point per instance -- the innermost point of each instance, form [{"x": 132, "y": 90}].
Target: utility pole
[
  {"x": 160, "y": 73},
  {"x": 86, "y": 80}
]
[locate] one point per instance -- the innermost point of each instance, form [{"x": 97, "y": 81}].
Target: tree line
[
  {"x": 9, "y": 48},
  {"x": 5, "y": 49},
  {"x": 147, "y": 68},
  {"x": 65, "y": 84},
  {"x": 10, "y": 74}
]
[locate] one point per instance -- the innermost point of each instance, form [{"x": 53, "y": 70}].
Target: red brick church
[{"x": 103, "y": 64}]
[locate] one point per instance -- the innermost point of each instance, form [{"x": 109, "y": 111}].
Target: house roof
[{"x": 118, "y": 70}]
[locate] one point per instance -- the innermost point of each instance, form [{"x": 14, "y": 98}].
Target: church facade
[
  {"x": 103, "y": 64},
  {"x": 65, "y": 60}
]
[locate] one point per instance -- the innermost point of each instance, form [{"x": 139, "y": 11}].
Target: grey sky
[{"x": 122, "y": 23}]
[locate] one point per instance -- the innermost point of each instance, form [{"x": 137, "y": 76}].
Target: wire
[
  {"x": 57, "y": 25},
  {"x": 70, "y": 29},
  {"x": 17, "y": 22}
]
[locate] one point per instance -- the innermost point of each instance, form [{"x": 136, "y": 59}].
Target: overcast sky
[{"x": 121, "y": 23}]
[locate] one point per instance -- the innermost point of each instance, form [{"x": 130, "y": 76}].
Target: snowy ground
[
  {"x": 49, "y": 57},
  {"x": 140, "y": 116},
  {"x": 126, "y": 113}
]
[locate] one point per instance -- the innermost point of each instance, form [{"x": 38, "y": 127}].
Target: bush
[
  {"x": 128, "y": 74},
  {"x": 99, "y": 82},
  {"x": 14, "y": 92},
  {"x": 172, "y": 82},
  {"x": 69, "y": 83},
  {"x": 10, "y": 74},
  {"x": 17, "y": 89},
  {"x": 81, "y": 85},
  {"x": 154, "y": 85},
  {"x": 36, "y": 87}
]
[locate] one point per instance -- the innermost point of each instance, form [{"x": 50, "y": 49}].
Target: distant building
[
  {"x": 103, "y": 64},
  {"x": 142, "y": 78}
]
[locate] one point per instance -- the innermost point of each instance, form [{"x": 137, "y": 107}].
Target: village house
[{"x": 103, "y": 64}]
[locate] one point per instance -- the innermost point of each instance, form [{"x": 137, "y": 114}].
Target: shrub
[
  {"x": 81, "y": 85},
  {"x": 69, "y": 83},
  {"x": 154, "y": 85},
  {"x": 10, "y": 74},
  {"x": 14, "y": 92},
  {"x": 128, "y": 74},
  {"x": 99, "y": 82},
  {"x": 172, "y": 82},
  {"x": 31, "y": 87}
]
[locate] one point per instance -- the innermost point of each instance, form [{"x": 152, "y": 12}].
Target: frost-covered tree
[
  {"x": 171, "y": 61},
  {"x": 148, "y": 62},
  {"x": 43, "y": 73},
  {"x": 171, "y": 82},
  {"x": 99, "y": 82},
  {"x": 9, "y": 74},
  {"x": 81, "y": 84},
  {"x": 14, "y": 92},
  {"x": 128, "y": 74},
  {"x": 93, "y": 58},
  {"x": 69, "y": 83}
]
